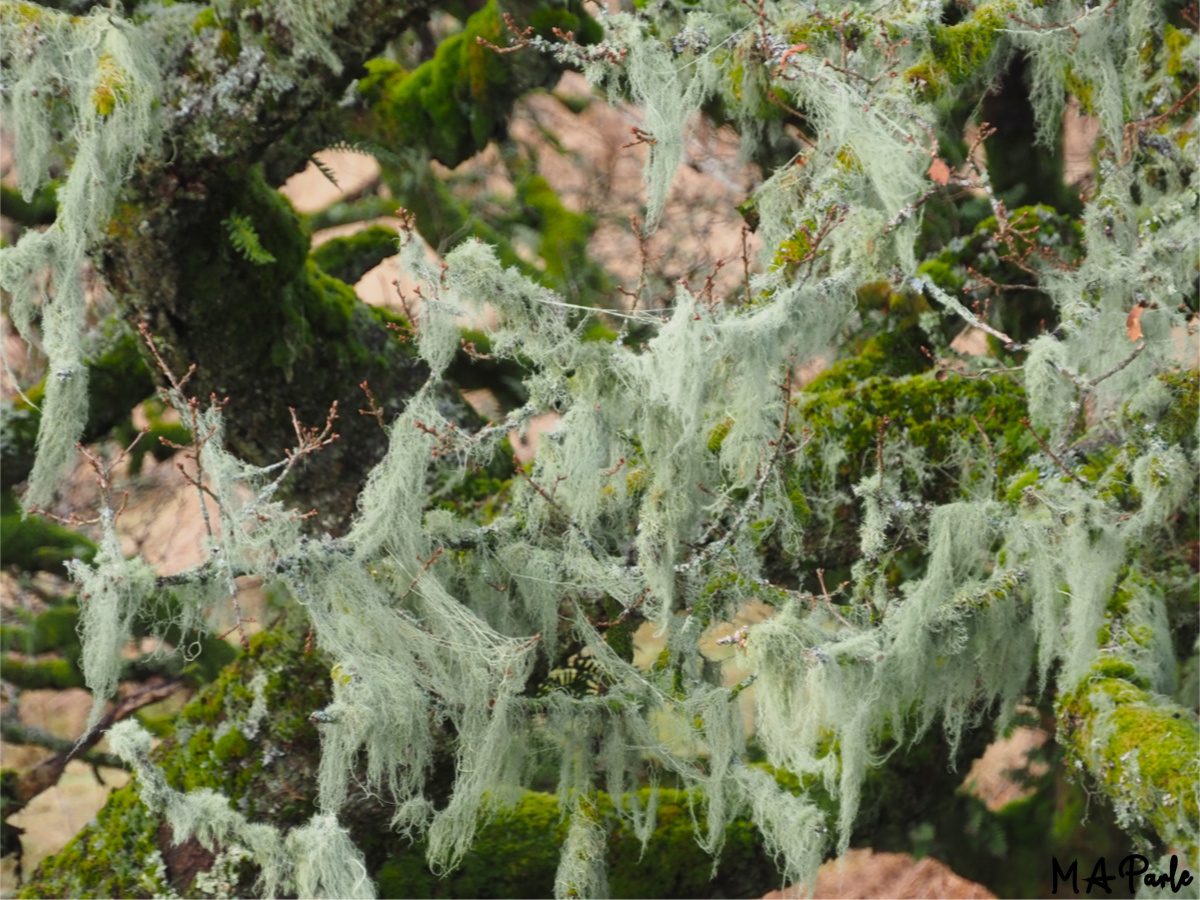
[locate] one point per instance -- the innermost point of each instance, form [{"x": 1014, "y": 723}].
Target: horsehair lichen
[
  {"x": 436, "y": 624},
  {"x": 95, "y": 80},
  {"x": 315, "y": 860}
]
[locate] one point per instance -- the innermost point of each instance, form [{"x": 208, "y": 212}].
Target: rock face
[{"x": 865, "y": 873}]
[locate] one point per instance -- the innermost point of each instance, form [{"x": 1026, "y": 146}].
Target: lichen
[
  {"x": 946, "y": 579},
  {"x": 1143, "y": 751}
]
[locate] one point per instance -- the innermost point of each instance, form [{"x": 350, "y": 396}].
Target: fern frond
[
  {"x": 325, "y": 170},
  {"x": 245, "y": 239},
  {"x": 368, "y": 148}
]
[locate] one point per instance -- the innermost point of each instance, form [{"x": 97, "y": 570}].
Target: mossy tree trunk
[{"x": 268, "y": 329}]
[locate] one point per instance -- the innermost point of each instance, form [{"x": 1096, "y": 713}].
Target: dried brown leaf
[
  {"x": 1133, "y": 322},
  {"x": 939, "y": 171}
]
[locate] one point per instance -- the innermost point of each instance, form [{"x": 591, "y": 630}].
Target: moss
[
  {"x": 271, "y": 776},
  {"x": 1016, "y": 487},
  {"x": 942, "y": 273},
  {"x": 349, "y": 258},
  {"x": 800, "y": 508},
  {"x": 57, "y": 674},
  {"x": 960, "y": 52},
  {"x": 893, "y": 354},
  {"x": 207, "y": 18},
  {"x": 1116, "y": 668},
  {"x": 922, "y": 411},
  {"x": 962, "y": 49},
  {"x": 1080, "y": 89},
  {"x": 117, "y": 380},
  {"x": 348, "y": 212},
  {"x": 232, "y": 746},
  {"x": 717, "y": 436},
  {"x": 114, "y": 857},
  {"x": 40, "y": 210},
  {"x": 1108, "y": 470},
  {"x": 1142, "y": 752},
  {"x": 53, "y": 630},
  {"x": 226, "y": 42},
  {"x": 32, "y": 543},
  {"x": 456, "y": 101},
  {"x": 931, "y": 429},
  {"x": 619, "y": 637},
  {"x": 1175, "y": 42},
  {"x": 459, "y": 101},
  {"x": 563, "y": 243},
  {"x": 927, "y": 77},
  {"x": 251, "y": 330},
  {"x": 517, "y": 854},
  {"x": 1035, "y": 229},
  {"x": 112, "y": 86},
  {"x": 1177, "y": 424}
]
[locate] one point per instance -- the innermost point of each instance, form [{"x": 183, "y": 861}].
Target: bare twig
[
  {"x": 625, "y": 613},
  {"x": 987, "y": 443},
  {"x": 828, "y": 599},
  {"x": 425, "y": 566},
  {"x": 710, "y": 548},
  {"x": 46, "y": 775},
  {"x": 375, "y": 411},
  {"x": 1050, "y": 453}
]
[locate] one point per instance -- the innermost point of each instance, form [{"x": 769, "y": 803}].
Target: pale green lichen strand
[{"x": 421, "y": 647}]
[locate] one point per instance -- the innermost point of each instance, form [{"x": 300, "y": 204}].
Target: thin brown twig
[
  {"x": 614, "y": 469},
  {"x": 746, "y": 262},
  {"x": 424, "y": 568},
  {"x": 1050, "y": 453},
  {"x": 828, "y": 599},
  {"x": 987, "y": 442},
  {"x": 375, "y": 411},
  {"x": 640, "y": 136},
  {"x": 47, "y": 774},
  {"x": 625, "y": 613}
]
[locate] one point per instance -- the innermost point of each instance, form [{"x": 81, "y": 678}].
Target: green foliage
[
  {"x": 198, "y": 655},
  {"x": 116, "y": 858},
  {"x": 117, "y": 378},
  {"x": 269, "y": 769},
  {"x": 459, "y": 100},
  {"x": 516, "y": 855},
  {"x": 1031, "y": 233},
  {"x": 245, "y": 240},
  {"x": 1146, "y": 749},
  {"x": 41, "y": 210}
]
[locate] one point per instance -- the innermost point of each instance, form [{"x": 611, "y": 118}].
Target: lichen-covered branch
[{"x": 1141, "y": 750}]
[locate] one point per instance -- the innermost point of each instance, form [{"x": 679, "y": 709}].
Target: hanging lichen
[{"x": 677, "y": 462}]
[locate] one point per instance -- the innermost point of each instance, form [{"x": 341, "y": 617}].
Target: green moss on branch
[
  {"x": 1142, "y": 751},
  {"x": 349, "y": 258},
  {"x": 268, "y": 770}
]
